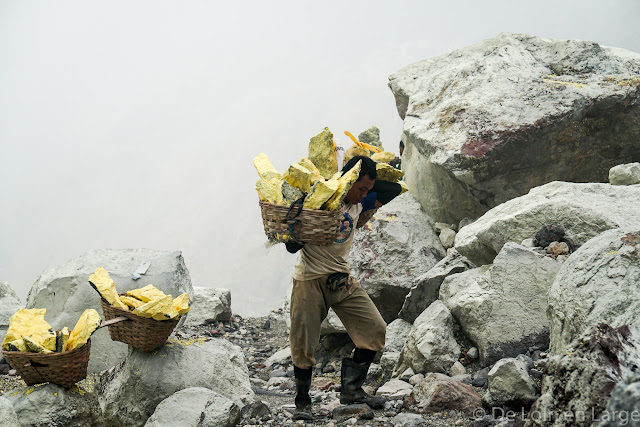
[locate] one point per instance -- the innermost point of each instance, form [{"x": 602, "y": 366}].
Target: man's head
[{"x": 365, "y": 181}]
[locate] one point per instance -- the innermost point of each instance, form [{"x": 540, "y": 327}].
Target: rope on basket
[{"x": 278, "y": 236}]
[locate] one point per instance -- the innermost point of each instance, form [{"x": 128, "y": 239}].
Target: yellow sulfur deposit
[
  {"x": 355, "y": 150},
  {"x": 30, "y": 322},
  {"x": 34, "y": 346},
  {"x": 321, "y": 153},
  {"x": 315, "y": 173},
  {"x": 87, "y": 324},
  {"x": 15, "y": 345},
  {"x": 404, "y": 186},
  {"x": 388, "y": 173},
  {"x": 181, "y": 304},
  {"x": 345, "y": 183},
  {"x": 102, "y": 283},
  {"x": 270, "y": 190},
  {"x": 383, "y": 156},
  {"x": 265, "y": 168},
  {"x": 162, "y": 307},
  {"x": 299, "y": 177},
  {"x": 147, "y": 293},
  {"x": 131, "y": 301},
  {"x": 320, "y": 193}
]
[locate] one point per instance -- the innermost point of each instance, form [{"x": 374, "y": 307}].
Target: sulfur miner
[{"x": 321, "y": 281}]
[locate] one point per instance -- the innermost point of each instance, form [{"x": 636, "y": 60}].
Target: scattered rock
[
  {"x": 395, "y": 389},
  {"x": 195, "y": 406},
  {"x": 510, "y": 385},
  {"x": 209, "y": 305},
  {"x": 439, "y": 392},
  {"x": 628, "y": 174}
]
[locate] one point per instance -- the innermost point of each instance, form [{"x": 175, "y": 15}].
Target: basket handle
[{"x": 112, "y": 321}]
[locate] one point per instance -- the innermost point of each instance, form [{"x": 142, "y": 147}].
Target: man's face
[{"x": 360, "y": 189}]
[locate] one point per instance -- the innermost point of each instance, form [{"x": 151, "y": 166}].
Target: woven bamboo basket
[
  {"x": 65, "y": 369},
  {"x": 139, "y": 332},
  {"x": 365, "y": 217},
  {"x": 313, "y": 226}
]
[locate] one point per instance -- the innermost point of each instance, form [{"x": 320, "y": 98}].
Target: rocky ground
[{"x": 272, "y": 379}]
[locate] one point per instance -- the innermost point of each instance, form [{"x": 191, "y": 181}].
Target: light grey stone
[
  {"x": 528, "y": 243},
  {"x": 447, "y": 238},
  {"x": 600, "y": 282},
  {"x": 395, "y": 389},
  {"x": 130, "y": 392},
  {"x": 431, "y": 346},
  {"x": 488, "y": 122},
  {"x": 623, "y": 407},
  {"x": 457, "y": 369},
  {"x": 400, "y": 246},
  {"x": 473, "y": 353},
  {"x": 209, "y": 305},
  {"x": 65, "y": 291},
  {"x": 628, "y": 174},
  {"x": 427, "y": 287},
  {"x": 581, "y": 379},
  {"x": 408, "y": 420},
  {"x": 9, "y": 305},
  {"x": 195, "y": 406},
  {"x": 8, "y": 417},
  {"x": 279, "y": 357},
  {"x": 582, "y": 210},
  {"x": 502, "y": 308},
  {"x": 371, "y": 136},
  {"x": 388, "y": 361},
  {"x": 440, "y": 226},
  {"x": 51, "y": 405},
  {"x": 397, "y": 332},
  {"x": 510, "y": 384}
]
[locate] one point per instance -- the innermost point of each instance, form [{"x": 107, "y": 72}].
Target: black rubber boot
[
  {"x": 353, "y": 376},
  {"x": 303, "y": 400}
]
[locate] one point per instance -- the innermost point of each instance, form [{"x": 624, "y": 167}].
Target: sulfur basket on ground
[
  {"x": 282, "y": 223},
  {"x": 65, "y": 369},
  {"x": 139, "y": 332}
]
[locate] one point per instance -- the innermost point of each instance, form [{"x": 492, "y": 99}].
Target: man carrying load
[{"x": 321, "y": 281}]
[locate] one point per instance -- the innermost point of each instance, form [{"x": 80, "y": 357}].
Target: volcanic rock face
[{"x": 488, "y": 122}]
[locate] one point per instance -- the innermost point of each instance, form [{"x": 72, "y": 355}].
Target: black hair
[
  {"x": 401, "y": 144},
  {"x": 368, "y": 167}
]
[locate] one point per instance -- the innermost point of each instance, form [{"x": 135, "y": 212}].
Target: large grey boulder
[
  {"x": 195, "y": 406},
  {"x": 628, "y": 174},
  {"x": 399, "y": 246},
  {"x": 599, "y": 283},
  {"x": 8, "y": 417},
  {"x": 427, "y": 287},
  {"x": 623, "y": 407},
  {"x": 9, "y": 304},
  {"x": 510, "y": 384},
  {"x": 209, "y": 305},
  {"x": 582, "y": 210},
  {"x": 65, "y": 291},
  {"x": 486, "y": 123},
  {"x": 397, "y": 333},
  {"x": 431, "y": 346},
  {"x": 130, "y": 392},
  {"x": 580, "y": 380},
  {"x": 502, "y": 308},
  {"x": 51, "y": 405}
]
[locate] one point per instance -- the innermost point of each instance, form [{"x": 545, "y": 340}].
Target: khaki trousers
[{"x": 310, "y": 302}]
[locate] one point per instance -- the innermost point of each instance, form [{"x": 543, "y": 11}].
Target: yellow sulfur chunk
[
  {"x": 315, "y": 173},
  {"x": 15, "y": 345},
  {"x": 299, "y": 177},
  {"x": 30, "y": 322},
  {"x": 321, "y": 153},
  {"x": 270, "y": 190},
  {"x": 62, "y": 338},
  {"x": 345, "y": 183},
  {"x": 181, "y": 304},
  {"x": 87, "y": 324},
  {"x": 131, "y": 302},
  {"x": 404, "y": 186},
  {"x": 170, "y": 314},
  {"x": 337, "y": 175},
  {"x": 355, "y": 150},
  {"x": 388, "y": 173},
  {"x": 265, "y": 168},
  {"x": 383, "y": 156},
  {"x": 159, "y": 306},
  {"x": 34, "y": 346},
  {"x": 102, "y": 283},
  {"x": 147, "y": 293},
  {"x": 320, "y": 193}
]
